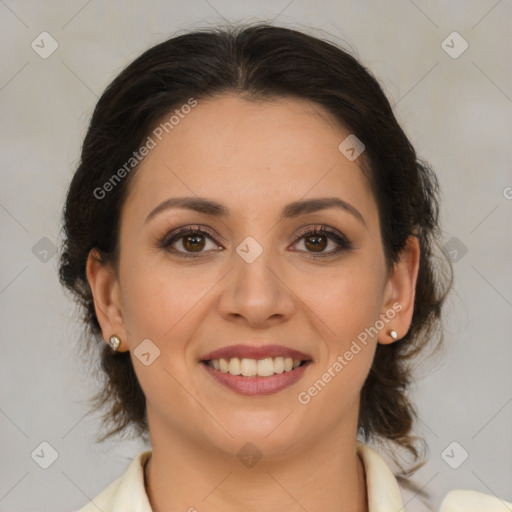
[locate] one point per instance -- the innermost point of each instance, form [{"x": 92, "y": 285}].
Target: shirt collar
[
  {"x": 131, "y": 493},
  {"x": 382, "y": 486}
]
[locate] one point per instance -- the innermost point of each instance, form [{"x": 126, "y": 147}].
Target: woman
[{"x": 252, "y": 233}]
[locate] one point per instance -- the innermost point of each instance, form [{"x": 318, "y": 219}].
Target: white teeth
[
  {"x": 235, "y": 366},
  {"x": 278, "y": 364},
  {"x": 249, "y": 367},
  {"x": 223, "y": 366},
  {"x": 265, "y": 367},
  {"x": 255, "y": 367}
]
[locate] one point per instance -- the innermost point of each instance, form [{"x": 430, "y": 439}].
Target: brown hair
[{"x": 257, "y": 61}]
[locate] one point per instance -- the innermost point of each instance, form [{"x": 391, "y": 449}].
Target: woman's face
[{"x": 252, "y": 284}]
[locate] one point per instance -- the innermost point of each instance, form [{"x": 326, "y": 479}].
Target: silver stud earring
[
  {"x": 393, "y": 334},
  {"x": 114, "y": 342}
]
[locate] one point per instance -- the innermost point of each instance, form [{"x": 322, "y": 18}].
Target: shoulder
[
  {"x": 125, "y": 493},
  {"x": 103, "y": 501},
  {"x": 386, "y": 492},
  {"x": 455, "y": 501},
  {"x": 473, "y": 501}
]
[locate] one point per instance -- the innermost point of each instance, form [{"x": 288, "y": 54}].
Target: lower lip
[{"x": 257, "y": 385}]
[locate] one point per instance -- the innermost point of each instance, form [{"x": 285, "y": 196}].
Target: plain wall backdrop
[{"x": 455, "y": 104}]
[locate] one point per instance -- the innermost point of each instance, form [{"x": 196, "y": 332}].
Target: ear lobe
[
  {"x": 105, "y": 290},
  {"x": 401, "y": 292}
]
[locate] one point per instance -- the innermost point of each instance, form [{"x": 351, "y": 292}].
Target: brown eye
[
  {"x": 193, "y": 243},
  {"x": 317, "y": 243},
  {"x": 316, "y": 240},
  {"x": 190, "y": 242}
]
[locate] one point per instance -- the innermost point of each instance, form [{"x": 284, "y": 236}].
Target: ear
[
  {"x": 107, "y": 303},
  {"x": 401, "y": 291}
]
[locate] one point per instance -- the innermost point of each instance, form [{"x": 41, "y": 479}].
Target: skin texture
[{"x": 254, "y": 158}]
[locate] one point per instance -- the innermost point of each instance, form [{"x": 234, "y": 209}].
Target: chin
[{"x": 271, "y": 431}]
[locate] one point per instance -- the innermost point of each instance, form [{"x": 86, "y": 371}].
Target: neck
[{"x": 329, "y": 476}]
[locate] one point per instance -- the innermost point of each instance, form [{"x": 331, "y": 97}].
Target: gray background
[{"x": 456, "y": 111}]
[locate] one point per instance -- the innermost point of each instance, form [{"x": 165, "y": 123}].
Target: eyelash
[{"x": 343, "y": 243}]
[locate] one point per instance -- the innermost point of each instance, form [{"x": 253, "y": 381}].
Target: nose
[{"x": 257, "y": 293}]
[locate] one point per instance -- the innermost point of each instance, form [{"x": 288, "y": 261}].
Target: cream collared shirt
[{"x": 127, "y": 493}]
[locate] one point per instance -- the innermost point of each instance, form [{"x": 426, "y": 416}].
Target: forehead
[{"x": 252, "y": 155}]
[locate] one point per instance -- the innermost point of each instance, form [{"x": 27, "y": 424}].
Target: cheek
[
  {"x": 333, "y": 392},
  {"x": 346, "y": 309},
  {"x": 346, "y": 305},
  {"x": 346, "y": 299},
  {"x": 156, "y": 297}
]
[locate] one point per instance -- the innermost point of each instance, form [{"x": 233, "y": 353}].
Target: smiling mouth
[{"x": 245, "y": 367}]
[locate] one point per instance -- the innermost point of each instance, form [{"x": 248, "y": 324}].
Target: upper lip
[{"x": 253, "y": 352}]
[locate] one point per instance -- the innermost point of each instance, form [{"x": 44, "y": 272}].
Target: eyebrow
[{"x": 291, "y": 210}]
